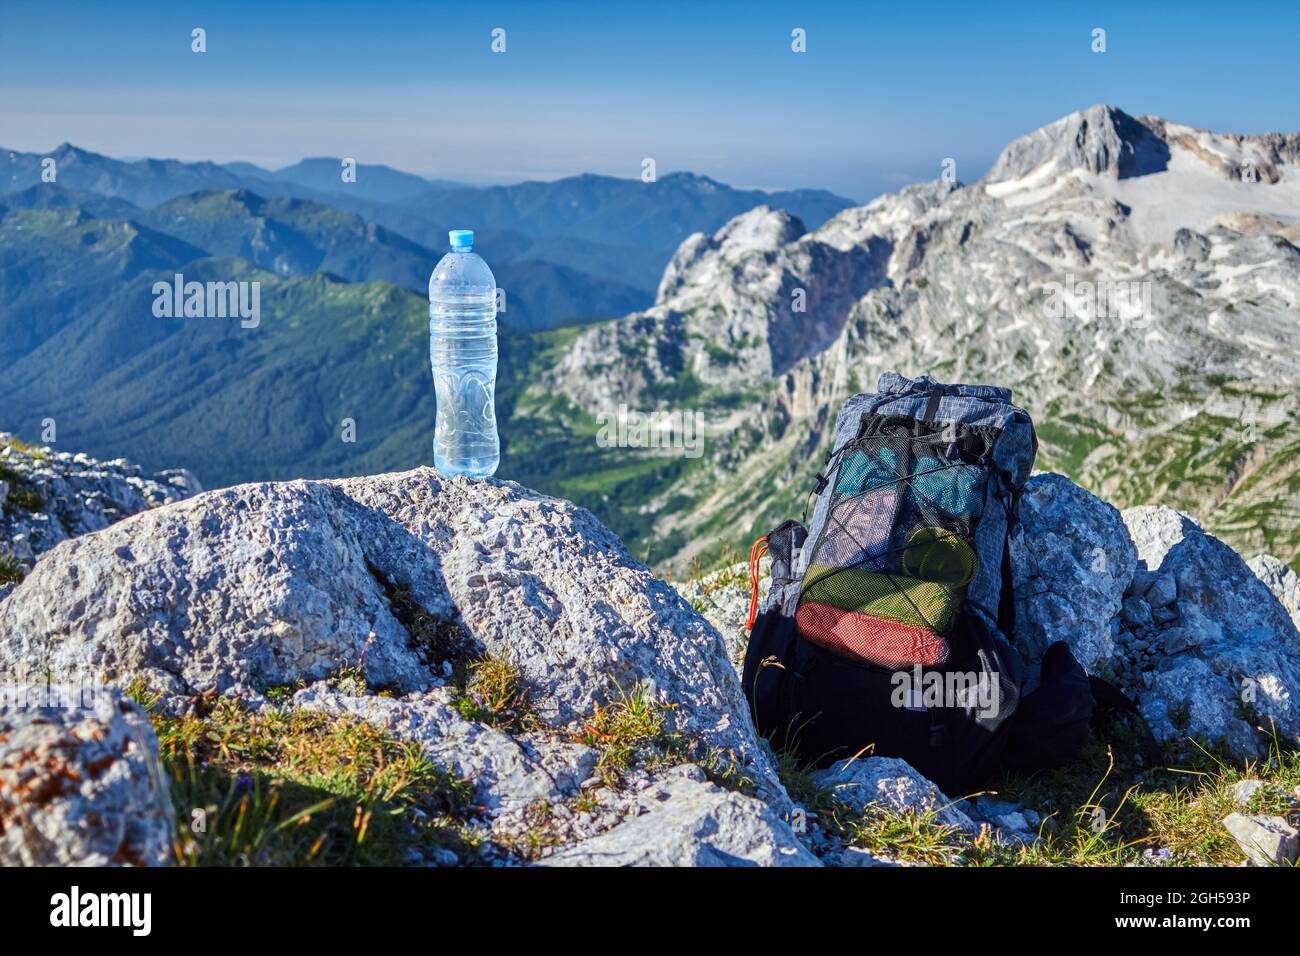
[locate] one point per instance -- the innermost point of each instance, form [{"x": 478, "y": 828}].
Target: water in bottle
[{"x": 463, "y": 351}]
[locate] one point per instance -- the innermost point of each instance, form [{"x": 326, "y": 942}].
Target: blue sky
[{"x": 883, "y": 94}]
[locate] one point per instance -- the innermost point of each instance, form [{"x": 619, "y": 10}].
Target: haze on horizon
[{"x": 881, "y": 97}]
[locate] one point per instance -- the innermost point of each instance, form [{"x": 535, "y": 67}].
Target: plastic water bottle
[{"x": 463, "y": 351}]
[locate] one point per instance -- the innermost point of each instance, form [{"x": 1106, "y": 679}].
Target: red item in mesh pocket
[{"x": 871, "y": 639}]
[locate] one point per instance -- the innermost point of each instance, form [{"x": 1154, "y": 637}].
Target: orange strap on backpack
[{"x": 755, "y": 556}]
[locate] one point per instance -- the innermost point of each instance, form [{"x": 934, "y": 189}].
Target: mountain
[
  {"x": 1135, "y": 281},
  {"x": 616, "y": 212},
  {"x": 265, "y": 401},
  {"x": 147, "y": 182},
  {"x": 622, "y": 230},
  {"x": 323, "y": 174},
  {"x": 58, "y": 264},
  {"x": 52, "y": 196},
  {"x": 300, "y": 237},
  {"x": 609, "y": 237},
  {"x": 292, "y": 236},
  {"x": 144, "y": 182}
]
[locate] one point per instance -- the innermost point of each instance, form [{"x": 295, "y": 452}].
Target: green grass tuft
[
  {"x": 494, "y": 694},
  {"x": 11, "y": 572},
  {"x": 285, "y": 787},
  {"x": 632, "y": 726}
]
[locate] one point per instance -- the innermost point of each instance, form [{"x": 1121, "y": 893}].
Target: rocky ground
[
  {"x": 48, "y": 496},
  {"x": 406, "y": 668}
]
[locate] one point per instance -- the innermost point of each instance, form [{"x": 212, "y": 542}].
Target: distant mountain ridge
[
  {"x": 378, "y": 182},
  {"x": 291, "y": 236},
  {"x": 588, "y": 207},
  {"x": 618, "y": 232}
]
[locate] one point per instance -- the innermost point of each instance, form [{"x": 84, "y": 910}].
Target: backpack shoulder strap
[{"x": 1007, "y": 597}]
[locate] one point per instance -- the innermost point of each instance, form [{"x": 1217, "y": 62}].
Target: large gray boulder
[
  {"x": 1230, "y": 656},
  {"x": 683, "y": 821},
  {"x": 1266, "y": 840},
  {"x": 1071, "y": 562},
  {"x": 1148, "y": 599},
  {"x": 400, "y": 575},
  {"x": 80, "y": 782}
]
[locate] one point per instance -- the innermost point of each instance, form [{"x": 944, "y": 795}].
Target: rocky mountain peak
[
  {"x": 1102, "y": 140},
  {"x": 1107, "y": 142},
  {"x": 760, "y": 231}
]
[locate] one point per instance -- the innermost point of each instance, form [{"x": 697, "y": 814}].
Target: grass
[
  {"x": 1104, "y": 809},
  {"x": 22, "y": 495},
  {"x": 908, "y": 836},
  {"x": 11, "y": 572},
  {"x": 633, "y": 726},
  {"x": 35, "y": 452},
  {"x": 284, "y": 787},
  {"x": 727, "y": 570},
  {"x": 435, "y": 638},
  {"x": 494, "y": 694}
]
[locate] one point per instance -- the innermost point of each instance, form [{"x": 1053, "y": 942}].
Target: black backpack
[{"x": 886, "y": 629}]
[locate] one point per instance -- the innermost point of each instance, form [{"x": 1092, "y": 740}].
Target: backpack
[{"x": 886, "y": 628}]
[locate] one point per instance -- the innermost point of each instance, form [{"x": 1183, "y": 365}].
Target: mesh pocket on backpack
[
  {"x": 875, "y": 640},
  {"x": 889, "y": 570}
]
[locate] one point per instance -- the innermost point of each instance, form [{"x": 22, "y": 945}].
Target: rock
[
  {"x": 1072, "y": 561},
  {"x": 1163, "y": 616},
  {"x": 1247, "y": 644},
  {"x": 689, "y": 823},
  {"x": 1186, "y": 698},
  {"x": 76, "y": 494},
  {"x": 270, "y": 584},
  {"x": 723, "y": 598},
  {"x": 855, "y": 856},
  {"x": 1163, "y": 591},
  {"x": 504, "y": 769},
  {"x": 1175, "y": 640},
  {"x": 1266, "y": 840},
  {"x": 892, "y": 783},
  {"x": 1016, "y": 823},
  {"x": 1136, "y": 613},
  {"x": 1281, "y": 580},
  {"x": 1142, "y": 581},
  {"x": 1015, "y": 826},
  {"x": 1243, "y": 791},
  {"x": 80, "y": 781}
]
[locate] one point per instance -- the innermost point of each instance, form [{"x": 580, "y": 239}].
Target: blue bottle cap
[{"x": 462, "y": 240}]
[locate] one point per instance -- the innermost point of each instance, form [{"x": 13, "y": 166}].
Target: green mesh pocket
[{"x": 917, "y": 603}]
